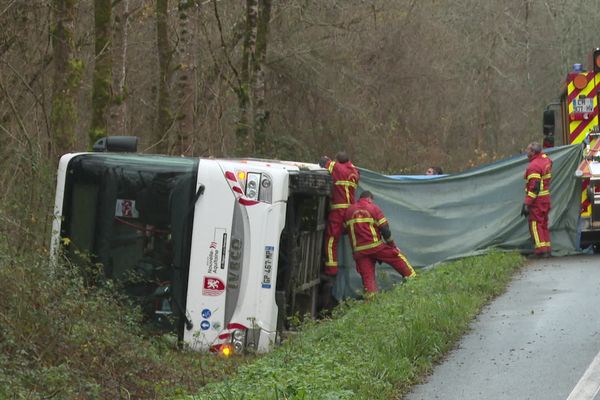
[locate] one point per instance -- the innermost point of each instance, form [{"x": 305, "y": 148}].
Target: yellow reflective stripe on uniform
[
  {"x": 533, "y": 176},
  {"x": 346, "y": 183},
  {"x": 374, "y": 233},
  {"x": 382, "y": 221},
  {"x": 347, "y": 194},
  {"x": 330, "y": 260},
  {"x": 536, "y": 236},
  {"x": 412, "y": 271},
  {"x": 360, "y": 220},
  {"x": 330, "y": 168},
  {"x": 547, "y": 176},
  {"x": 352, "y": 235},
  {"x": 335, "y": 206},
  {"x": 543, "y": 193},
  {"x": 531, "y": 194},
  {"x": 368, "y": 246}
]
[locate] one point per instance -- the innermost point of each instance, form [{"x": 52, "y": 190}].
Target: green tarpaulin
[{"x": 465, "y": 214}]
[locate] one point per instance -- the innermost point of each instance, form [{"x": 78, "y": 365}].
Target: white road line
[{"x": 589, "y": 384}]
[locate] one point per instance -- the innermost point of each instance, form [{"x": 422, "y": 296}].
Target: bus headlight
[
  {"x": 239, "y": 334},
  {"x": 252, "y": 185},
  {"x": 238, "y": 340}
]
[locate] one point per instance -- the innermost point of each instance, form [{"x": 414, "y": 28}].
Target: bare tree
[
  {"x": 67, "y": 77},
  {"x": 165, "y": 115},
  {"x": 117, "y": 122},
  {"x": 245, "y": 140},
  {"x": 184, "y": 77},
  {"x": 260, "y": 114},
  {"x": 101, "y": 91}
]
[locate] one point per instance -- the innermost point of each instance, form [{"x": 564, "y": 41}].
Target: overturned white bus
[{"x": 220, "y": 251}]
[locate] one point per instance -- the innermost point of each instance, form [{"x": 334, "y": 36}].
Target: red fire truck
[{"x": 579, "y": 124}]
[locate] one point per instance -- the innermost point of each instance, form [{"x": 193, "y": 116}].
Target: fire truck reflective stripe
[
  {"x": 382, "y": 221},
  {"x": 368, "y": 246},
  {"x": 330, "y": 168},
  {"x": 586, "y": 205},
  {"x": 335, "y": 206},
  {"x": 346, "y": 183},
  {"x": 578, "y": 134},
  {"x": 534, "y": 176},
  {"x": 578, "y": 129}
]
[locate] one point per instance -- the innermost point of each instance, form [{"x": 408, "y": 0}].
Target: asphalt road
[{"x": 534, "y": 342}]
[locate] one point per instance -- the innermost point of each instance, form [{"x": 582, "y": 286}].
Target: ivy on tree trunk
[
  {"x": 184, "y": 78},
  {"x": 260, "y": 114},
  {"x": 165, "y": 115},
  {"x": 101, "y": 91},
  {"x": 67, "y": 78}
]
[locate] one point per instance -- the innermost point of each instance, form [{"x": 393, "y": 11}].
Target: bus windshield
[{"x": 132, "y": 215}]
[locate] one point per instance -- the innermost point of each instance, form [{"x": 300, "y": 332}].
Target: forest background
[{"x": 401, "y": 85}]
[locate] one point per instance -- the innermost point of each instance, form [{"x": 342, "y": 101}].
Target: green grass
[
  {"x": 63, "y": 339},
  {"x": 377, "y": 349}
]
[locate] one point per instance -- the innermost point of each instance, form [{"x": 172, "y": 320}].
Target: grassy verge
[
  {"x": 378, "y": 349},
  {"x": 62, "y": 339}
]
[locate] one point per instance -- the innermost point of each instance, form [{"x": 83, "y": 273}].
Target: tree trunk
[
  {"x": 184, "y": 78},
  {"x": 260, "y": 114},
  {"x": 245, "y": 141},
  {"x": 118, "y": 110},
  {"x": 67, "y": 77},
  {"x": 101, "y": 91},
  {"x": 165, "y": 115}
]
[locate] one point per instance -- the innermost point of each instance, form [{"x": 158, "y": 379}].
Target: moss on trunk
[{"x": 101, "y": 91}]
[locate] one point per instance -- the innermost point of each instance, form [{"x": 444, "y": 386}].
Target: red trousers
[
  {"x": 538, "y": 227},
  {"x": 365, "y": 264},
  {"x": 333, "y": 232}
]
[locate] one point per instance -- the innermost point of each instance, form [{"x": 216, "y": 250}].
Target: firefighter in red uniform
[
  {"x": 537, "y": 198},
  {"x": 372, "y": 241},
  {"x": 345, "y": 180}
]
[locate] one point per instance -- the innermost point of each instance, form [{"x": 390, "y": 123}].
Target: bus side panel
[{"x": 256, "y": 307}]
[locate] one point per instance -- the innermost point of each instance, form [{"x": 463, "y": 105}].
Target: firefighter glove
[{"x": 525, "y": 211}]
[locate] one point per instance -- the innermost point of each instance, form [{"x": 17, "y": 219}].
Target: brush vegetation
[{"x": 62, "y": 337}]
